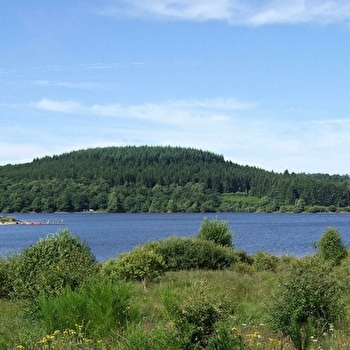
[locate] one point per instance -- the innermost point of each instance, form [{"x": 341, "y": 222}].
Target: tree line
[{"x": 158, "y": 179}]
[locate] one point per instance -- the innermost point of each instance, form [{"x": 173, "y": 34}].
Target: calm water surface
[{"x": 110, "y": 234}]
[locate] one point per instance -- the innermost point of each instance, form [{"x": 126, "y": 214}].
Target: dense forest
[{"x": 162, "y": 179}]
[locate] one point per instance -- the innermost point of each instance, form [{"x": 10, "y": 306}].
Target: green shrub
[
  {"x": 192, "y": 253},
  {"x": 243, "y": 268},
  {"x": 306, "y": 302},
  {"x": 98, "y": 308},
  {"x": 7, "y": 268},
  {"x": 216, "y": 231},
  {"x": 317, "y": 209},
  {"x": 58, "y": 261},
  {"x": 141, "y": 264},
  {"x": 194, "y": 318},
  {"x": 331, "y": 248},
  {"x": 265, "y": 262},
  {"x": 244, "y": 257}
]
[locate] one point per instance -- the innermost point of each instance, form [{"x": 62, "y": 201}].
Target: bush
[
  {"x": 317, "y": 209},
  {"x": 306, "y": 303},
  {"x": 216, "y": 231},
  {"x": 58, "y": 261},
  {"x": 265, "y": 262},
  {"x": 141, "y": 264},
  {"x": 98, "y": 308},
  {"x": 7, "y": 268},
  {"x": 331, "y": 248},
  {"x": 194, "y": 319},
  {"x": 192, "y": 253}
]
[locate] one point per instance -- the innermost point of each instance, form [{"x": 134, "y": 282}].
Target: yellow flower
[
  {"x": 19, "y": 347},
  {"x": 236, "y": 331}
]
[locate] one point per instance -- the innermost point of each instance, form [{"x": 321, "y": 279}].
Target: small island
[{"x": 8, "y": 220}]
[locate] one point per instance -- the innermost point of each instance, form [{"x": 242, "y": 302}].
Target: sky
[{"x": 264, "y": 83}]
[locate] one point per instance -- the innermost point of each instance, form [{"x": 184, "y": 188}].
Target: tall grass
[{"x": 100, "y": 308}]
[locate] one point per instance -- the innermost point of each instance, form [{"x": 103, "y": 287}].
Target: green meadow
[{"x": 178, "y": 293}]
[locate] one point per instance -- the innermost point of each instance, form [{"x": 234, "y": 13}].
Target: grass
[
  {"x": 188, "y": 309},
  {"x": 15, "y": 327},
  {"x": 244, "y": 295}
]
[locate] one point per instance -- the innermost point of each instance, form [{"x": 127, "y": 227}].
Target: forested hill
[{"x": 161, "y": 179}]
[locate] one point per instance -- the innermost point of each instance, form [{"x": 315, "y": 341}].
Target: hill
[{"x": 161, "y": 179}]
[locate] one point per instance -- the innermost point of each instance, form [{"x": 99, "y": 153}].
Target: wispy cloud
[
  {"x": 68, "y": 84},
  {"x": 59, "y": 106},
  {"x": 235, "y": 12},
  {"x": 92, "y": 66},
  {"x": 240, "y": 130},
  {"x": 173, "y": 111}
]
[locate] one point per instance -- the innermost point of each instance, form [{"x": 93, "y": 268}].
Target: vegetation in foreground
[{"x": 178, "y": 293}]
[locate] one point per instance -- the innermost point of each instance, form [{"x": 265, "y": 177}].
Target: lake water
[{"x": 111, "y": 234}]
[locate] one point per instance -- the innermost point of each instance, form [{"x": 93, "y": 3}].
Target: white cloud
[
  {"x": 173, "y": 111},
  {"x": 235, "y": 12},
  {"x": 59, "y": 106},
  {"x": 19, "y": 152},
  {"x": 238, "y": 130},
  {"x": 67, "y": 84},
  {"x": 300, "y": 11}
]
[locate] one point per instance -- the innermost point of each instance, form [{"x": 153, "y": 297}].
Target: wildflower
[
  {"x": 275, "y": 342},
  {"x": 20, "y": 347},
  {"x": 42, "y": 341}
]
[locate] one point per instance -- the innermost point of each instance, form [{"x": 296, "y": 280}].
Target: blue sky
[{"x": 264, "y": 83}]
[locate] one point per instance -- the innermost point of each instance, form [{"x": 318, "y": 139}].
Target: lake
[{"x": 111, "y": 234}]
